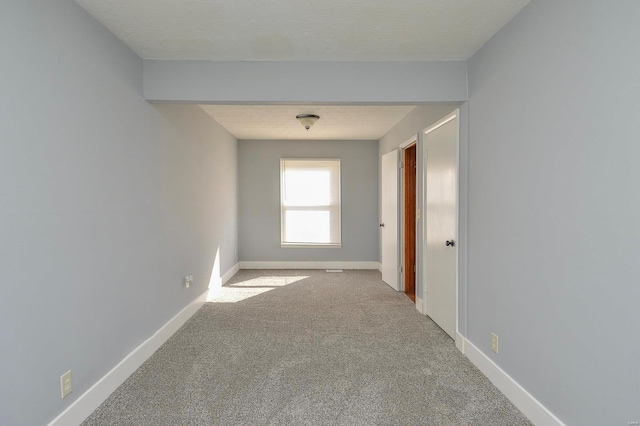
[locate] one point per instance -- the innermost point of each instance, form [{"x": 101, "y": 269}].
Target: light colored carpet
[{"x": 308, "y": 348}]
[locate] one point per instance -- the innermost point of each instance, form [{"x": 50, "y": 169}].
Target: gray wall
[
  {"x": 259, "y": 199},
  {"x": 554, "y": 208},
  {"x": 416, "y": 121},
  {"x": 106, "y": 202}
]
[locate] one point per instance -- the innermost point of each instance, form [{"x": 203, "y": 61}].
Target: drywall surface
[
  {"x": 305, "y": 82},
  {"x": 413, "y": 124},
  {"x": 106, "y": 203},
  {"x": 259, "y": 199},
  {"x": 554, "y": 219}
]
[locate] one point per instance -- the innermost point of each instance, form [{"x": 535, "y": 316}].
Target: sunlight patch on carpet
[{"x": 243, "y": 290}]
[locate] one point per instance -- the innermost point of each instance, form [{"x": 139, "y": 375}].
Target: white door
[
  {"x": 389, "y": 224},
  {"x": 441, "y": 213}
]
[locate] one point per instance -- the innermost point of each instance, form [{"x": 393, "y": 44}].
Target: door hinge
[
  {"x": 400, "y": 165},
  {"x": 401, "y": 269}
]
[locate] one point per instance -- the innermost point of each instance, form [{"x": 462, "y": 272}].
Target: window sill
[{"x": 307, "y": 245}]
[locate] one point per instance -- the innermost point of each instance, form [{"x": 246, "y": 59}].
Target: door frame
[
  {"x": 413, "y": 140},
  {"x": 446, "y": 119}
]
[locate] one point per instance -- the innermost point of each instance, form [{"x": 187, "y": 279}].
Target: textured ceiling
[
  {"x": 291, "y": 30},
  {"x": 279, "y": 121}
]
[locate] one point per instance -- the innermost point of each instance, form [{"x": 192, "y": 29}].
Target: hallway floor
[{"x": 307, "y": 348}]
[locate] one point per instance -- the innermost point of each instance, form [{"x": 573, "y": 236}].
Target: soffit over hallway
[{"x": 406, "y": 35}]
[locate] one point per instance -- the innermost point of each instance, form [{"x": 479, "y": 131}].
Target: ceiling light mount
[{"x": 307, "y": 120}]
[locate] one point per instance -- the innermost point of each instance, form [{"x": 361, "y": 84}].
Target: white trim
[
  {"x": 406, "y": 144},
  {"x": 313, "y": 246},
  {"x": 86, "y": 403},
  {"x": 419, "y": 305},
  {"x": 308, "y": 265},
  {"x": 523, "y": 400},
  {"x": 334, "y": 167},
  {"x": 443, "y": 121},
  {"x": 455, "y": 115},
  {"x": 460, "y": 342},
  {"x": 230, "y": 273}
]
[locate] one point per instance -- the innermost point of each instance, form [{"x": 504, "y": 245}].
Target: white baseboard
[
  {"x": 86, "y": 403},
  {"x": 419, "y": 305},
  {"x": 230, "y": 273},
  {"x": 308, "y": 265},
  {"x": 460, "y": 342},
  {"x": 380, "y": 267},
  {"x": 530, "y": 407}
]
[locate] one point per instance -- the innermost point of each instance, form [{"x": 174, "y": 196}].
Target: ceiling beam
[{"x": 305, "y": 82}]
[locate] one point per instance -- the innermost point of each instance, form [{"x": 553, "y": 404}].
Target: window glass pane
[
  {"x": 310, "y": 201},
  {"x": 307, "y": 227},
  {"x": 307, "y": 188}
]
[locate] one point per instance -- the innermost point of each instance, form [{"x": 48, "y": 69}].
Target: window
[{"x": 310, "y": 202}]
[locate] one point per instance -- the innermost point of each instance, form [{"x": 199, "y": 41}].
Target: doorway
[{"x": 409, "y": 168}]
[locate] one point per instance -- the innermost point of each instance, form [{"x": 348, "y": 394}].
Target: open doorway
[{"x": 409, "y": 168}]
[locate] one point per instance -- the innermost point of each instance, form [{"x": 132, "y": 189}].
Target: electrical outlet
[
  {"x": 494, "y": 342},
  {"x": 65, "y": 384},
  {"x": 188, "y": 280}
]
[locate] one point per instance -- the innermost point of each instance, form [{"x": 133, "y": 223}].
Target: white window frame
[{"x": 335, "y": 207}]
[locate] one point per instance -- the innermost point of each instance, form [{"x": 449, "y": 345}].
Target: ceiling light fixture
[{"x": 307, "y": 120}]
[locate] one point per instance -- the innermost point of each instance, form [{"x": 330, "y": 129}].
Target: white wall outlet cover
[
  {"x": 494, "y": 342},
  {"x": 65, "y": 384}
]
